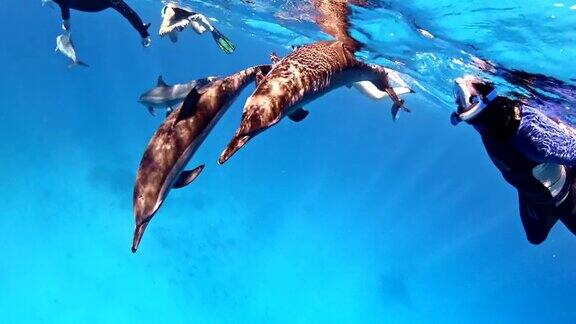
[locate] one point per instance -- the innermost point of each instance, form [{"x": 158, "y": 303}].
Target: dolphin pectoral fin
[
  {"x": 298, "y": 115},
  {"x": 161, "y": 82},
  {"x": 151, "y": 111},
  {"x": 189, "y": 106},
  {"x": 186, "y": 177},
  {"x": 236, "y": 144}
]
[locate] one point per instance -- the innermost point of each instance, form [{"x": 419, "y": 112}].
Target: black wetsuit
[
  {"x": 539, "y": 210},
  {"x": 99, "y": 5}
]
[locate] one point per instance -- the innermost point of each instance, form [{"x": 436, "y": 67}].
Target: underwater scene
[{"x": 288, "y": 161}]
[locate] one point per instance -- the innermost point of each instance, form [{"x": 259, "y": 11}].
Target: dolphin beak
[
  {"x": 138, "y": 232},
  {"x": 236, "y": 143}
]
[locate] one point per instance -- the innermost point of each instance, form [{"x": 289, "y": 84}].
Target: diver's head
[{"x": 472, "y": 95}]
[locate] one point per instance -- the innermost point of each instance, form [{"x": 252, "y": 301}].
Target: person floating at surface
[
  {"x": 175, "y": 18},
  {"x": 536, "y": 153},
  {"x": 99, "y": 5}
]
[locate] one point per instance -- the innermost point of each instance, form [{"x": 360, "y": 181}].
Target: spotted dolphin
[
  {"x": 176, "y": 141},
  {"x": 165, "y": 96},
  {"x": 65, "y": 45},
  {"x": 306, "y": 74}
]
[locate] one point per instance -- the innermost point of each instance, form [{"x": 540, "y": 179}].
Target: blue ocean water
[{"x": 344, "y": 218}]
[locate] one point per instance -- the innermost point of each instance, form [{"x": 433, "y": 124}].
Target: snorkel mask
[{"x": 469, "y": 105}]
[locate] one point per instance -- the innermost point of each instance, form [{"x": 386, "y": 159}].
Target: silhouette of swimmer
[
  {"x": 535, "y": 152},
  {"x": 99, "y": 5}
]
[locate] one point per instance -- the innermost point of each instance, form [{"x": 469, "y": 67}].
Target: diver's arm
[
  {"x": 131, "y": 16},
  {"x": 65, "y": 12}
]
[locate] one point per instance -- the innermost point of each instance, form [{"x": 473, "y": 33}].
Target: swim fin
[{"x": 224, "y": 43}]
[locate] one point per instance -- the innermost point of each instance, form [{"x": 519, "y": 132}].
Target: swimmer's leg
[
  {"x": 131, "y": 16},
  {"x": 200, "y": 23},
  {"x": 381, "y": 83},
  {"x": 537, "y": 220}
]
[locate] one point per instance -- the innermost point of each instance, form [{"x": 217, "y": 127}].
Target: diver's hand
[
  {"x": 146, "y": 41},
  {"x": 400, "y": 105},
  {"x": 396, "y": 107},
  {"x": 66, "y": 25}
]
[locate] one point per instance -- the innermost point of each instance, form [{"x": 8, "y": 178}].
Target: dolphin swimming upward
[
  {"x": 165, "y": 96},
  {"x": 303, "y": 76},
  {"x": 177, "y": 139}
]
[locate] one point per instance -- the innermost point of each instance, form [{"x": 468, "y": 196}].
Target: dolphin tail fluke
[
  {"x": 138, "y": 232},
  {"x": 236, "y": 144},
  {"x": 78, "y": 63}
]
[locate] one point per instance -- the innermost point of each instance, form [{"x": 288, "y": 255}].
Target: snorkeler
[
  {"x": 175, "y": 18},
  {"x": 534, "y": 152},
  {"x": 99, "y": 5}
]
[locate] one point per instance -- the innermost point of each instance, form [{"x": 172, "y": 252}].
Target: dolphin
[
  {"x": 168, "y": 96},
  {"x": 177, "y": 139},
  {"x": 65, "y": 45},
  {"x": 306, "y": 74}
]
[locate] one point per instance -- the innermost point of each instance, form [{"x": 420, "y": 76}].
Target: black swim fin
[{"x": 224, "y": 43}]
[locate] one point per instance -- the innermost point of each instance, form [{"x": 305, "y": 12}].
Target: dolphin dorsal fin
[
  {"x": 161, "y": 82},
  {"x": 189, "y": 106},
  {"x": 186, "y": 177}
]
